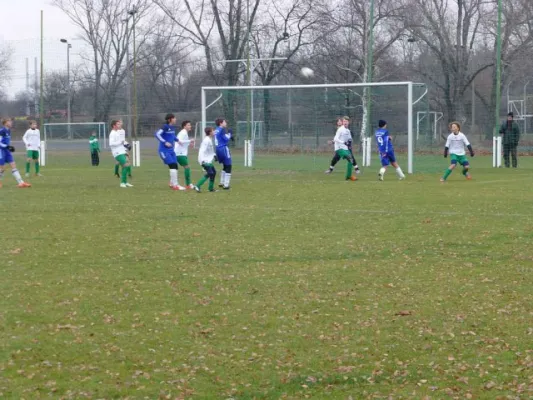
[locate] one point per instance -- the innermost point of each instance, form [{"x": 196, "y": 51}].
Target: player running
[
  {"x": 386, "y": 151},
  {"x": 32, "y": 141},
  {"x": 181, "y": 148},
  {"x": 222, "y": 138},
  {"x": 117, "y": 143},
  {"x": 341, "y": 140},
  {"x": 206, "y": 156},
  {"x": 455, "y": 144},
  {"x": 6, "y": 154},
  {"x": 167, "y": 138},
  {"x": 336, "y": 158}
]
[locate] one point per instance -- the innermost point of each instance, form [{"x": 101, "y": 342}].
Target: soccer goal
[
  {"x": 72, "y": 137},
  {"x": 300, "y": 119}
]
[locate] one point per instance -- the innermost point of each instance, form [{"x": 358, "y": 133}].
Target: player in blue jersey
[
  {"x": 386, "y": 151},
  {"x": 6, "y": 154},
  {"x": 167, "y": 138},
  {"x": 222, "y": 138}
]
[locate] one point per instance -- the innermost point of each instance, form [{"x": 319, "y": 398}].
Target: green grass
[{"x": 290, "y": 286}]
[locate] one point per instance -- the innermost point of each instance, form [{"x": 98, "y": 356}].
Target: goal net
[
  {"x": 72, "y": 138},
  {"x": 273, "y": 122}
]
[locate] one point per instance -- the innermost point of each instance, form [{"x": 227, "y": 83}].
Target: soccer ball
[{"x": 307, "y": 72}]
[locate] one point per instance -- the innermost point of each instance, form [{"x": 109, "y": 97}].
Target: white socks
[
  {"x": 174, "y": 177},
  {"x": 399, "y": 172},
  {"x": 382, "y": 171},
  {"x": 16, "y": 175},
  {"x": 227, "y": 178},
  {"x": 222, "y": 177}
]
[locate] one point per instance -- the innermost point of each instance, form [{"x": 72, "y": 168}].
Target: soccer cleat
[
  {"x": 220, "y": 185},
  {"x": 39, "y": 174},
  {"x": 190, "y": 186},
  {"x": 178, "y": 187},
  {"x": 170, "y": 185},
  {"x": 353, "y": 178},
  {"x": 469, "y": 177},
  {"x": 328, "y": 171},
  {"x": 129, "y": 185},
  {"x": 24, "y": 185},
  {"x": 197, "y": 189},
  {"x": 380, "y": 177},
  {"x": 226, "y": 187},
  {"x": 123, "y": 185},
  {"x": 213, "y": 190},
  {"x": 442, "y": 180}
]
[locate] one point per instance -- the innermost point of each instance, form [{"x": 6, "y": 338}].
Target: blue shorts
[
  {"x": 223, "y": 155},
  {"x": 168, "y": 157},
  {"x": 387, "y": 159},
  {"x": 6, "y": 157}
]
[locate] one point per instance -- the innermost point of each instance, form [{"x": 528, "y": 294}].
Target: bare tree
[
  {"x": 220, "y": 27},
  {"x": 103, "y": 28}
]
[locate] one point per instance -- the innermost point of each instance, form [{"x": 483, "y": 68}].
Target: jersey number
[{"x": 380, "y": 140}]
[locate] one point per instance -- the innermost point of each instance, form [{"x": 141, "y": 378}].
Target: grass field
[{"x": 292, "y": 285}]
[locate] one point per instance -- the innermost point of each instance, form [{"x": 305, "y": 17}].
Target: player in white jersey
[
  {"x": 455, "y": 145},
  {"x": 32, "y": 140},
  {"x": 206, "y": 158},
  {"x": 342, "y": 140},
  {"x": 117, "y": 143},
  {"x": 181, "y": 148}
]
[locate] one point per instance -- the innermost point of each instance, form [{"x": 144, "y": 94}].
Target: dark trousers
[
  {"x": 512, "y": 150},
  {"x": 95, "y": 158},
  {"x": 336, "y": 158}
]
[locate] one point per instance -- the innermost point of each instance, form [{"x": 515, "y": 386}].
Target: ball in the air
[{"x": 307, "y": 72}]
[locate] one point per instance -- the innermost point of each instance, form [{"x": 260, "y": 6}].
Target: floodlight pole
[
  {"x": 133, "y": 12},
  {"x": 69, "y": 46},
  {"x": 370, "y": 67},
  {"x": 128, "y": 80},
  {"x": 498, "y": 70}
]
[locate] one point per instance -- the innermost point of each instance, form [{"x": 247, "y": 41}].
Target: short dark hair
[
  {"x": 208, "y": 131},
  {"x": 382, "y": 123},
  {"x": 169, "y": 116},
  {"x": 219, "y": 121},
  {"x": 184, "y": 123}
]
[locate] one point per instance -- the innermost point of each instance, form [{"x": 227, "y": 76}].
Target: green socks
[
  {"x": 447, "y": 174},
  {"x": 37, "y": 167},
  {"x": 349, "y": 170},
  {"x": 116, "y": 169},
  {"x": 465, "y": 171},
  {"x": 124, "y": 178},
  {"x": 27, "y": 167},
  {"x": 201, "y": 181},
  {"x": 187, "y": 176}
]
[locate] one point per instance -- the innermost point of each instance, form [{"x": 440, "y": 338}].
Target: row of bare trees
[{"x": 184, "y": 44}]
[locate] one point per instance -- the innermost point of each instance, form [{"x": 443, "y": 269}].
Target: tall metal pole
[
  {"x": 525, "y": 107},
  {"x": 69, "y": 117},
  {"x": 370, "y": 66},
  {"x": 135, "y": 116},
  {"x": 36, "y": 88},
  {"x": 27, "y": 86},
  {"x": 41, "y": 101},
  {"x": 249, "y": 76},
  {"x": 498, "y": 70},
  {"x": 129, "y": 125}
]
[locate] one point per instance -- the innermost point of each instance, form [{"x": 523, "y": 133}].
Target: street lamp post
[{"x": 69, "y": 46}]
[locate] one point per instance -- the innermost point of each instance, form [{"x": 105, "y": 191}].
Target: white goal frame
[
  {"x": 410, "y": 103},
  {"x": 101, "y": 127}
]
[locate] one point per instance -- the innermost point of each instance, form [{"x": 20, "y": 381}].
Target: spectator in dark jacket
[{"x": 511, "y": 135}]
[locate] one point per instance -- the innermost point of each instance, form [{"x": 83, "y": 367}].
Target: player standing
[
  {"x": 32, "y": 140},
  {"x": 455, "y": 144},
  {"x": 222, "y": 138},
  {"x": 386, "y": 151},
  {"x": 181, "y": 148},
  {"x": 336, "y": 158},
  {"x": 341, "y": 140},
  {"x": 167, "y": 138},
  {"x": 6, "y": 154},
  {"x": 117, "y": 143},
  {"x": 95, "y": 151},
  {"x": 206, "y": 156}
]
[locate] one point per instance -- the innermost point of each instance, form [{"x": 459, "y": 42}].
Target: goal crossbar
[{"x": 410, "y": 102}]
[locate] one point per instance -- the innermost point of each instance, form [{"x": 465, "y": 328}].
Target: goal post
[
  {"x": 72, "y": 137},
  {"x": 301, "y": 118}
]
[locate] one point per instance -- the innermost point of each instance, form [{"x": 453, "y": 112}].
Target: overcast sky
[{"x": 21, "y": 31}]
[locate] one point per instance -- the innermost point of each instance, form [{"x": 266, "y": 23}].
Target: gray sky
[{"x": 21, "y": 31}]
